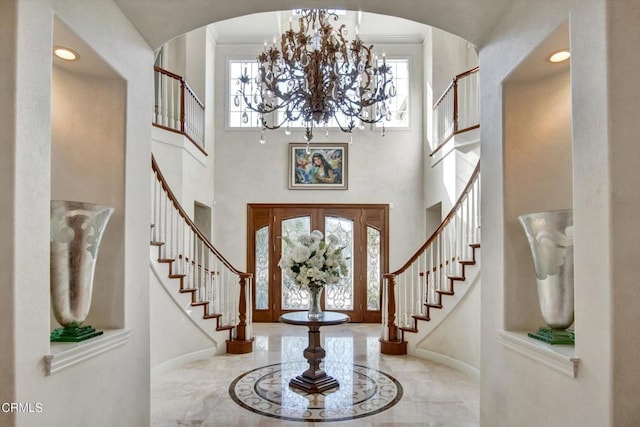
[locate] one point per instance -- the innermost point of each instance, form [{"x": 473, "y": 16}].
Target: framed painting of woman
[{"x": 318, "y": 166}]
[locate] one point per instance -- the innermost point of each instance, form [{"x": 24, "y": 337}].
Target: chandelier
[{"x": 316, "y": 77}]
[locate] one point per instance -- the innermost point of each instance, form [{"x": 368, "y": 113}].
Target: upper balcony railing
[
  {"x": 457, "y": 110},
  {"x": 177, "y": 108}
]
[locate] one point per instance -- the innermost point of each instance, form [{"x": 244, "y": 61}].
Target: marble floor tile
[{"x": 216, "y": 391}]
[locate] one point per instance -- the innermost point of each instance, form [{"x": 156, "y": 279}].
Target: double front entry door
[{"x": 361, "y": 229}]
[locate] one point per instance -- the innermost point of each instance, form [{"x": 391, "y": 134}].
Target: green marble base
[
  {"x": 554, "y": 336},
  {"x": 76, "y": 334}
]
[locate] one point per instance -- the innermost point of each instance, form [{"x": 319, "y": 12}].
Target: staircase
[
  {"x": 449, "y": 291},
  {"x": 433, "y": 280},
  {"x": 180, "y": 283},
  {"x": 194, "y": 268}
]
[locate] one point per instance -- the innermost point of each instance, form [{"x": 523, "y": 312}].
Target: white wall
[
  {"x": 451, "y": 56},
  {"x": 97, "y": 383},
  {"x": 513, "y": 388},
  {"x": 622, "y": 20},
  {"x": 381, "y": 169},
  {"x": 9, "y": 90},
  {"x": 458, "y": 335},
  {"x": 174, "y": 58},
  {"x": 196, "y": 70},
  {"x": 173, "y": 334},
  {"x": 184, "y": 167}
]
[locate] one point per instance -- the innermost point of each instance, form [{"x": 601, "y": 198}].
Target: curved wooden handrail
[
  {"x": 447, "y": 219},
  {"x": 185, "y": 216}
]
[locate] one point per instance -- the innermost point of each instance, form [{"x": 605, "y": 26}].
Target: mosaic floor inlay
[
  {"x": 404, "y": 390},
  {"x": 363, "y": 391}
]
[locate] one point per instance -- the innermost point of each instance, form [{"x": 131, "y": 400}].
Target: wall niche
[
  {"x": 88, "y": 106},
  {"x": 538, "y": 166}
]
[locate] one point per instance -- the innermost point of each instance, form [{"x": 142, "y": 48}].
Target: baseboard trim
[
  {"x": 181, "y": 360},
  {"x": 456, "y": 364}
]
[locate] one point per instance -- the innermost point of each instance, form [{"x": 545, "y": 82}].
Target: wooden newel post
[
  {"x": 395, "y": 345},
  {"x": 391, "y": 309},
  {"x": 241, "y": 344}
]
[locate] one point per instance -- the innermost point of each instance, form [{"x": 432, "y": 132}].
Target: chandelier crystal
[{"x": 314, "y": 75}]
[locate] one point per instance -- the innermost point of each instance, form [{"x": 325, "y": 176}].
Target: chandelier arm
[
  {"x": 273, "y": 126},
  {"x": 348, "y": 128},
  {"x": 265, "y": 109}
]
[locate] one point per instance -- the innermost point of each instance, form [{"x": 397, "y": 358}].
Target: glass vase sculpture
[
  {"x": 315, "y": 296},
  {"x": 550, "y": 236},
  {"x": 76, "y": 233}
]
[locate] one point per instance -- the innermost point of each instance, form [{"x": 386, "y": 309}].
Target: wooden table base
[
  {"x": 314, "y": 379},
  {"x": 317, "y": 385}
]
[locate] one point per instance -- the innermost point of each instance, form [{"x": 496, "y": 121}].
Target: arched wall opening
[
  {"x": 379, "y": 165},
  {"x": 462, "y": 18}
]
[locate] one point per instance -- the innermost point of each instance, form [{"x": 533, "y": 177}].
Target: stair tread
[
  {"x": 198, "y": 303},
  {"x": 166, "y": 260},
  {"x": 224, "y": 328},
  {"x": 154, "y": 243},
  {"x": 211, "y": 316},
  {"x": 407, "y": 329}
]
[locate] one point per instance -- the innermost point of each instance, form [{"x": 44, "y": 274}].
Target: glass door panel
[
  {"x": 340, "y": 295},
  {"x": 262, "y": 268},
  {"x": 373, "y": 269},
  {"x": 293, "y": 298}
]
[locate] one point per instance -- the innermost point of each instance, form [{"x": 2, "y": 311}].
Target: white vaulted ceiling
[
  {"x": 372, "y": 27},
  {"x": 158, "y": 21}
]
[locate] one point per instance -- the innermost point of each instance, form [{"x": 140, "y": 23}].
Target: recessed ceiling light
[
  {"x": 65, "y": 53},
  {"x": 559, "y": 56}
]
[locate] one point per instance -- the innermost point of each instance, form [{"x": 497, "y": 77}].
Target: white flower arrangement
[{"x": 314, "y": 262}]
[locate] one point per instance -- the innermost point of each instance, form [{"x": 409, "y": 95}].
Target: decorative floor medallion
[{"x": 362, "y": 392}]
